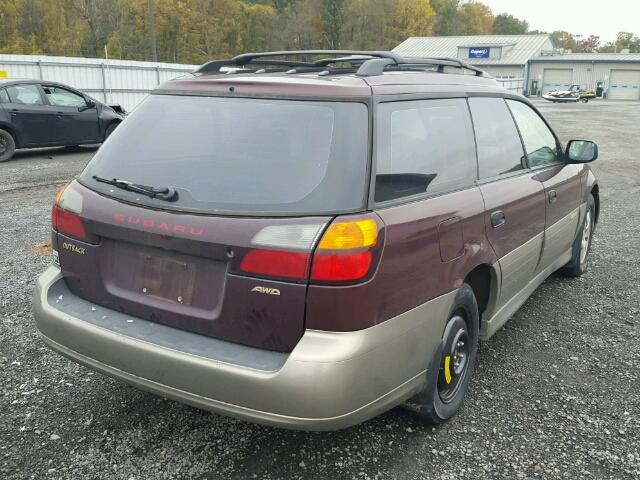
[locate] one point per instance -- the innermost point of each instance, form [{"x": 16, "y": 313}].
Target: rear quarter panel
[{"x": 416, "y": 263}]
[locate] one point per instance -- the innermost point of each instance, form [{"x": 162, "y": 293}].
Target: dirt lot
[{"x": 556, "y": 394}]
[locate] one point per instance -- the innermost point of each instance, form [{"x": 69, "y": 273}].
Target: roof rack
[{"x": 364, "y": 63}]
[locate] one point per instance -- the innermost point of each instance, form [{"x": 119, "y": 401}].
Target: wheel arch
[
  {"x": 115, "y": 121},
  {"x": 595, "y": 191},
  {"x": 484, "y": 281},
  {"x": 12, "y": 131}
]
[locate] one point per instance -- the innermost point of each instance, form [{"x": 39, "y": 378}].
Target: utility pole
[{"x": 152, "y": 30}]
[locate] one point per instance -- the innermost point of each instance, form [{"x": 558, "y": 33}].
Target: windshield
[{"x": 239, "y": 156}]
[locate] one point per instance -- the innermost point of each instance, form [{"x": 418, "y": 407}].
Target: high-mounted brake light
[{"x": 64, "y": 213}]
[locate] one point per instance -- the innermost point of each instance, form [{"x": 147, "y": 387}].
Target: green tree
[
  {"x": 627, "y": 40},
  {"x": 505, "y": 24},
  {"x": 474, "y": 18},
  {"x": 446, "y": 16}
]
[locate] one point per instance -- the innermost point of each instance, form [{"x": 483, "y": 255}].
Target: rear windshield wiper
[{"x": 161, "y": 193}]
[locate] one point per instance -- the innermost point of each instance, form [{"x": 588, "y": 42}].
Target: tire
[
  {"x": 7, "y": 146},
  {"x": 582, "y": 243},
  {"x": 110, "y": 129},
  {"x": 449, "y": 375}
]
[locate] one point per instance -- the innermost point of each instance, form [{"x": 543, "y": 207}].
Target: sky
[{"x": 583, "y": 17}]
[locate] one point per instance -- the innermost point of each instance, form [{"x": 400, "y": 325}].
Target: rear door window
[
  {"x": 541, "y": 145},
  {"x": 423, "y": 147},
  {"x": 4, "y": 98},
  {"x": 499, "y": 146},
  {"x": 25, "y": 94}
]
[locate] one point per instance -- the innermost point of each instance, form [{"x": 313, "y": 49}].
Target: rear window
[{"x": 240, "y": 156}]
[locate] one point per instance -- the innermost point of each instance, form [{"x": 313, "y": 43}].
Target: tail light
[
  {"x": 344, "y": 252},
  {"x": 65, "y": 217}
]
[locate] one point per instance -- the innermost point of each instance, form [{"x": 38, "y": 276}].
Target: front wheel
[
  {"x": 450, "y": 371},
  {"x": 582, "y": 243}
]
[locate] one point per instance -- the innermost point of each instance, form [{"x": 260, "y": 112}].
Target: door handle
[
  {"x": 498, "y": 219},
  {"x": 552, "y": 196}
]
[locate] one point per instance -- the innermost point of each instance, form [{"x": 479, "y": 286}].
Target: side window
[
  {"x": 25, "y": 94},
  {"x": 63, "y": 98},
  {"x": 539, "y": 142},
  {"x": 499, "y": 145},
  {"x": 423, "y": 146},
  {"x": 4, "y": 97}
]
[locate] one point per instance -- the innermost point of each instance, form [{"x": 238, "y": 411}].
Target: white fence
[
  {"x": 516, "y": 85},
  {"x": 111, "y": 81}
]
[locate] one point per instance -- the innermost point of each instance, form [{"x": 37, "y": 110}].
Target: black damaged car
[{"x": 37, "y": 113}]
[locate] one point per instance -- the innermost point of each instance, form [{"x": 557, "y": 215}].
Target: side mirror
[
  {"x": 90, "y": 104},
  {"x": 581, "y": 151}
]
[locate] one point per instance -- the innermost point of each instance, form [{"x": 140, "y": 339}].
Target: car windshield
[{"x": 240, "y": 156}]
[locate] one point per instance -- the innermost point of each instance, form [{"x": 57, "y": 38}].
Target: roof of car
[
  {"x": 9, "y": 81},
  {"x": 339, "y": 74},
  {"x": 6, "y": 81}
]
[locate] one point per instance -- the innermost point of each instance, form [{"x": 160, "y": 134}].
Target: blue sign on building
[{"x": 479, "y": 52}]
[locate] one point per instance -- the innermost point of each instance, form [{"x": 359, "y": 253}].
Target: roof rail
[
  {"x": 368, "y": 63},
  {"x": 346, "y": 56},
  {"x": 375, "y": 67}
]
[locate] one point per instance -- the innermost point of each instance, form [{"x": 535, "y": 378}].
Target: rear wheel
[
  {"x": 452, "y": 366},
  {"x": 7, "y": 146},
  {"x": 582, "y": 243}
]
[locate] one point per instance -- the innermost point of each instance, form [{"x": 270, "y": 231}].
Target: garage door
[
  {"x": 624, "y": 85},
  {"x": 557, "y": 79}
]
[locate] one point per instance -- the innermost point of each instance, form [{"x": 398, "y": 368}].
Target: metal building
[
  {"x": 616, "y": 76},
  {"x": 534, "y": 64},
  {"x": 111, "y": 81},
  {"x": 502, "y": 56}
]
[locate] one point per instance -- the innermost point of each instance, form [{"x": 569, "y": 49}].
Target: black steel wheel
[
  {"x": 454, "y": 361},
  {"x": 452, "y": 364}
]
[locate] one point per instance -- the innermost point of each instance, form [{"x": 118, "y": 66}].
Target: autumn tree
[
  {"x": 564, "y": 40},
  {"x": 588, "y": 45}
]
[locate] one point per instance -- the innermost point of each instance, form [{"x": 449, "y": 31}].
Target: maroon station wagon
[{"x": 307, "y": 239}]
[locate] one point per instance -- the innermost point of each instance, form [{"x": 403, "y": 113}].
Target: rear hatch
[{"x": 251, "y": 184}]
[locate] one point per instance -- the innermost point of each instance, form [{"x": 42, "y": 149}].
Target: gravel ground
[{"x": 556, "y": 393}]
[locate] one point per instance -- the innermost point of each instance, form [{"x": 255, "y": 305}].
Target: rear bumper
[{"x": 329, "y": 381}]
